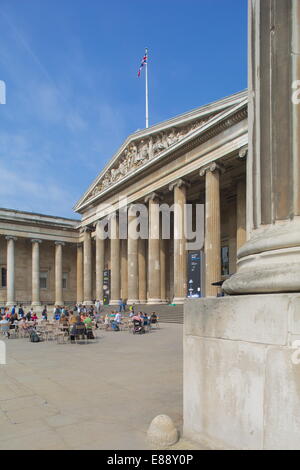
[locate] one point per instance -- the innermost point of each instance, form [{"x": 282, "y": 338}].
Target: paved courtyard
[{"x": 90, "y": 396}]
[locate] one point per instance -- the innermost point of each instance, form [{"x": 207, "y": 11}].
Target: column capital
[
  {"x": 178, "y": 184},
  {"x": 212, "y": 167},
  {"x": 11, "y": 237},
  {"x": 35, "y": 240},
  {"x": 152, "y": 197},
  {"x": 59, "y": 243},
  {"x": 86, "y": 229},
  {"x": 243, "y": 153}
]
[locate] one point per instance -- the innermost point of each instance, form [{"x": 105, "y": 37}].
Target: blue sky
[{"x": 73, "y": 96}]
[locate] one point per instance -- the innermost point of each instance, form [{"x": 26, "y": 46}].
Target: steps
[{"x": 166, "y": 313}]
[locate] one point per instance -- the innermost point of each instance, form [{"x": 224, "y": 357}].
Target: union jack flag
[{"x": 144, "y": 62}]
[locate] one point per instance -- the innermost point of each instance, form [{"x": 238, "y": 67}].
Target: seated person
[
  {"x": 5, "y": 325},
  {"x": 153, "y": 318},
  {"x": 78, "y": 329}
]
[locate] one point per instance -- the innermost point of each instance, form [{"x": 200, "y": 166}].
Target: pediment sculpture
[{"x": 139, "y": 152}]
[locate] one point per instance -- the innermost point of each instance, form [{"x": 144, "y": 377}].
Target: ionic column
[
  {"x": 163, "y": 292},
  {"x": 36, "y": 272},
  {"x": 180, "y": 268},
  {"x": 58, "y": 273},
  {"x": 79, "y": 273},
  {"x": 142, "y": 262},
  {"x": 124, "y": 270},
  {"x": 100, "y": 253},
  {"x": 115, "y": 260},
  {"x": 87, "y": 267},
  {"x": 212, "y": 228},
  {"x": 133, "y": 266},
  {"x": 153, "y": 250},
  {"x": 10, "y": 271}
]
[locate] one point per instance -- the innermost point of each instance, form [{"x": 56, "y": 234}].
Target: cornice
[{"x": 215, "y": 125}]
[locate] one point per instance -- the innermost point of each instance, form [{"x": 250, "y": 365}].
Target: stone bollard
[{"x": 162, "y": 432}]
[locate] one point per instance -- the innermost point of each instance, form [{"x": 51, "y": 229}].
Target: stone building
[{"x": 195, "y": 158}]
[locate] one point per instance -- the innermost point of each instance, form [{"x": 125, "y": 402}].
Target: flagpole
[{"x": 147, "y": 96}]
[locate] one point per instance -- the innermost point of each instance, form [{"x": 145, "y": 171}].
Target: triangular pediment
[{"x": 143, "y": 146}]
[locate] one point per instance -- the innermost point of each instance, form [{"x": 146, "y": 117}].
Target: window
[
  {"x": 3, "y": 277},
  {"x": 65, "y": 281},
  {"x": 44, "y": 280},
  {"x": 225, "y": 260}
]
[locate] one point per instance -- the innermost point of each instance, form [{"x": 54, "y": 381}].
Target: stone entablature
[
  {"x": 146, "y": 148},
  {"x": 44, "y": 227}
]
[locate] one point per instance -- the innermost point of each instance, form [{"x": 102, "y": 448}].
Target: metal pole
[{"x": 147, "y": 104}]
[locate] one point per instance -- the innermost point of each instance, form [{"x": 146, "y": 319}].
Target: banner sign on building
[{"x": 194, "y": 274}]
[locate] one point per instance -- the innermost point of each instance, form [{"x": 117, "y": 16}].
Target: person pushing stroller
[{"x": 138, "y": 324}]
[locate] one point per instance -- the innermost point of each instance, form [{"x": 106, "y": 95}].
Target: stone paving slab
[{"x": 100, "y": 395}]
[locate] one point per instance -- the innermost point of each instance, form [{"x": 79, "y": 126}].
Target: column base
[
  {"x": 88, "y": 302},
  {"x": 154, "y": 301},
  {"x": 114, "y": 302},
  {"x": 269, "y": 262},
  {"x": 178, "y": 300},
  {"x": 10, "y": 304},
  {"x": 36, "y": 304},
  {"x": 133, "y": 301}
]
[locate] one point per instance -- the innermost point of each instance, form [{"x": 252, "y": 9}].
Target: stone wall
[{"x": 241, "y": 384}]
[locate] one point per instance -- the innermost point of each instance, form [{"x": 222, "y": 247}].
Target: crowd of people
[{"x": 81, "y": 317}]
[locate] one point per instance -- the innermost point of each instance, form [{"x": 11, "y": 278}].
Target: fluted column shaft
[
  {"x": 154, "y": 251},
  {"x": 10, "y": 271},
  {"x": 115, "y": 260},
  {"x": 87, "y": 267},
  {"x": 133, "y": 269},
  {"x": 212, "y": 228},
  {"x": 180, "y": 267},
  {"x": 124, "y": 270},
  {"x": 163, "y": 260},
  {"x": 100, "y": 253},
  {"x": 36, "y": 301},
  {"x": 142, "y": 262},
  {"x": 58, "y": 273},
  {"x": 79, "y": 289}
]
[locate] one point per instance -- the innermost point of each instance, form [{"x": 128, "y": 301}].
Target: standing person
[
  {"x": 13, "y": 310},
  {"x": 120, "y": 305},
  {"x": 21, "y": 311},
  {"x": 45, "y": 313},
  {"x": 28, "y": 316}
]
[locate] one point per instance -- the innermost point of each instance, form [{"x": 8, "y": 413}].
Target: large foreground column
[
  {"x": 115, "y": 261},
  {"x": 270, "y": 260},
  {"x": 10, "y": 271},
  {"x": 212, "y": 228},
  {"x": 58, "y": 274},
  {"x": 180, "y": 267},
  {"x": 36, "y": 272},
  {"x": 153, "y": 250}
]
